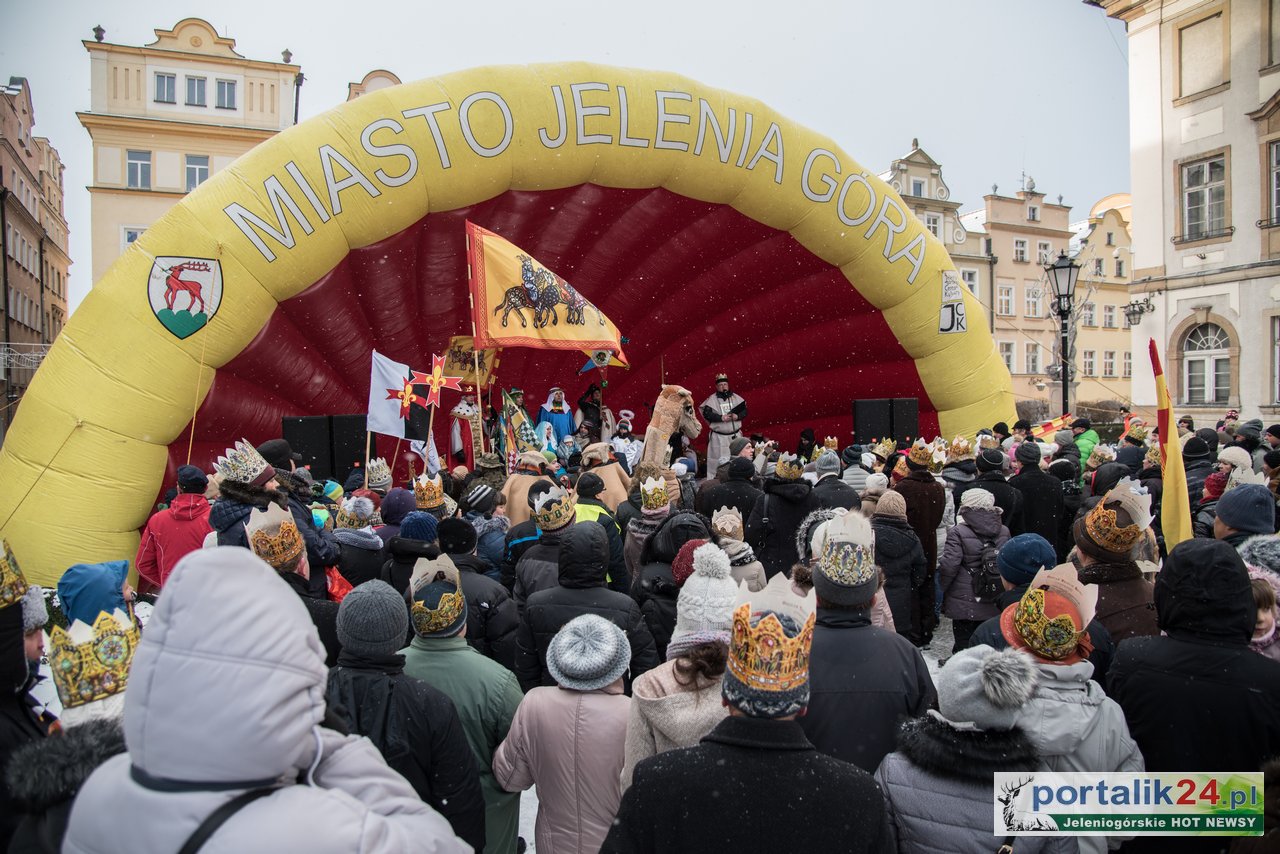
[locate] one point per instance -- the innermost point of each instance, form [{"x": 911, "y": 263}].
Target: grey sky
[{"x": 990, "y": 88}]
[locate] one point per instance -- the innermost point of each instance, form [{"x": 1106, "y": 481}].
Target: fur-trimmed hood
[
  {"x": 1108, "y": 573},
  {"x": 49, "y": 771},
  {"x": 938, "y": 748},
  {"x": 1262, "y": 551},
  {"x": 237, "y": 500}
]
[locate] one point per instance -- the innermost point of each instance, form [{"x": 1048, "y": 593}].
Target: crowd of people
[{"x": 731, "y": 662}]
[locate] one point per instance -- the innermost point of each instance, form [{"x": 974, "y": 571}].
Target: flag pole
[
  {"x": 367, "y": 434},
  {"x": 395, "y": 458},
  {"x": 475, "y": 357}
]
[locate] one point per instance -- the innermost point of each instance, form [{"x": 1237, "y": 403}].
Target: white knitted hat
[
  {"x": 978, "y": 498},
  {"x": 704, "y": 608}
]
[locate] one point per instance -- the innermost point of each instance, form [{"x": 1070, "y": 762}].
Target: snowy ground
[{"x": 937, "y": 652}]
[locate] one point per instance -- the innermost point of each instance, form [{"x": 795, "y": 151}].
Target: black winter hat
[
  {"x": 1195, "y": 449},
  {"x": 1083, "y": 423},
  {"x": 741, "y": 468},
  {"x": 1210, "y": 437},
  {"x": 456, "y": 536},
  {"x": 990, "y": 459},
  {"x": 1028, "y": 454},
  {"x": 1022, "y": 424},
  {"x": 589, "y": 485},
  {"x": 192, "y": 479},
  {"x": 1203, "y": 589},
  {"x": 1001, "y": 428},
  {"x": 1273, "y": 430}
]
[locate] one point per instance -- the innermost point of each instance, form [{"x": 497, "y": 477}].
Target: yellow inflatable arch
[{"x": 294, "y": 232}]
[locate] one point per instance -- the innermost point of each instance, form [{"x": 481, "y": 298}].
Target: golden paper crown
[
  {"x": 274, "y": 537},
  {"x": 428, "y": 492},
  {"x": 1100, "y": 523},
  {"x": 727, "y": 522},
  {"x": 921, "y": 452},
  {"x": 653, "y": 494},
  {"x": 987, "y": 440},
  {"x": 763, "y": 657},
  {"x": 242, "y": 464},
  {"x": 960, "y": 448},
  {"x": 1101, "y": 454},
  {"x": 848, "y": 555},
  {"x": 92, "y": 662},
  {"x": 1153, "y": 455},
  {"x": 788, "y": 467},
  {"x": 449, "y": 609},
  {"x": 885, "y": 449},
  {"x": 1053, "y": 638},
  {"x": 553, "y": 509},
  {"x": 356, "y": 511},
  {"x": 831, "y": 443},
  {"x": 379, "y": 472},
  {"x": 1137, "y": 433},
  {"x": 13, "y": 584}
]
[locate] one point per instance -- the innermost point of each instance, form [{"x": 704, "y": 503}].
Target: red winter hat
[
  {"x": 682, "y": 566},
  {"x": 1215, "y": 484}
]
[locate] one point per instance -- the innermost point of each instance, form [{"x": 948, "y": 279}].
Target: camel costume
[
  {"x": 596, "y": 458},
  {"x": 516, "y": 489}
]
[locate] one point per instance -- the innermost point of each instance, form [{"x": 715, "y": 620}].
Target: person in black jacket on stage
[
  {"x": 583, "y": 556},
  {"x": 414, "y": 726}
]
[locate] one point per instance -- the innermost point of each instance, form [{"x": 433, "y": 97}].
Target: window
[
  {"x": 1044, "y": 252},
  {"x": 195, "y": 92},
  {"x": 933, "y": 222},
  {"x": 1206, "y": 365},
  {"x": 1006, "y": 353},
  {"x": 1119, "y": 268},
  {"x": 1020, "y": 250},
  {"x": 1128, "y": 364},
  {"x": 139, "y": 172},
  {"x": 1033, "y": 357},
  {"x": 165, "y": 89},
  {"x": 1108, "y": 363},
  {"x": 1033, "y": 213},
  {"x": 1031, "y": 299},
  {"x": 970, "y": 279},
  {"x": 1111, "y": 238},
  {"x": 1109, "y": 316},
  {"x": 1086, "y": 362},
  {"x": 1004, "y": 301},
  {"x": 917, "y": 186},
  {"x": 1275, "y": 178},
  {"x": 1201, "y": 54},
  {"x": 131, "y": 234},
  {"x": 227, "y": 94},
  {"x": 1204, "y": 198},
  {"x": 197, "y": 170},
  {"x": 1097, "y": 267},
  {"x": 1087, "y": 315}
]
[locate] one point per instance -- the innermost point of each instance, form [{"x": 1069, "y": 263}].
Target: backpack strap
[{"x": 219, "y": 817}]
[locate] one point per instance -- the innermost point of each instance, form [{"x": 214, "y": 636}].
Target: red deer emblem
[
  {"x": 175, "y": 284},
  {"x": 172, "y": 277}
]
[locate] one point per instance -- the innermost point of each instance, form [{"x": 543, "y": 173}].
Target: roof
[{"x": 974, "y": 222}]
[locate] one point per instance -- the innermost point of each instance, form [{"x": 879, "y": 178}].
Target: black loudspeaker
[
  {"x": 906, "y": 420},
  {"x": 348, "y": 443},
  {"x": 310, "y": 436},
  {"x": 872, "y": 420}
]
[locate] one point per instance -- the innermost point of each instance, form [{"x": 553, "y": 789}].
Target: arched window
[{"x": 1206, "y": 372}]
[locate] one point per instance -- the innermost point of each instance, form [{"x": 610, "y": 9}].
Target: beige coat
[
  {"x": 617, "y": 483},
  {"x": 516, "y": 492},
  {"x": 569, "y": 744},
  {"x": 751, "y": 572},
  {"x": 666, "y": 715}
]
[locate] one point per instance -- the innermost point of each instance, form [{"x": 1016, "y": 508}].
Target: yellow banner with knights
[{"x": 459, "y": 361}]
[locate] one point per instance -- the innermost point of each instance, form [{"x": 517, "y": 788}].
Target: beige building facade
[
  {"x": 1104, "y": 352},
  {"x": 1204, "y": 131},
  {"x": 165, "y": 116},
  {"x": 33, "y": 227}
]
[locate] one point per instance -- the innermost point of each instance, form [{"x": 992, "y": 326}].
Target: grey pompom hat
[{"x": 985, "y": 688}]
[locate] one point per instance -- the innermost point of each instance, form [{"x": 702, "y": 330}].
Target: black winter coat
[
  {"x": 1199, "y": 699},
  {"x": 324, "y": 614},
  {"x": 775, "y": 518},
  {"x": 360, "y": 555},
  {"x": 834, "y": 492},
  {"x": 1042, "y": 504},
  {"x": 751, "y": 785},
  {"x": 1202, "y": 518},
  {"x": 44, "y": 777},
  {"x": 863, "y": 683},
  {"x": 19, "y": 722},
  {"x": 957, "y": 475},
  {"x": 581, "y": 590},
  {"x": 627, "y": 511},
  {"x": 1008, "y": 499},
  {"x": 1104, "y": 649},
  {"x": 1197, "y": 471},
  {"x": 732, "y": 492},
  {"x": 655, "y": 586},
  {"x": 926, "y": 501},
  {"x": 518, "y": 540},
  {"x": 900, "y": 556},
  {"x": 416, "y": 729},
  {"x": 539, "y": 566},
  {"x": 1130, "y": 456}
]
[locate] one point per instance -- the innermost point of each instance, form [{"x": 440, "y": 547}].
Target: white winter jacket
[
  {"x": 226, "y": 693},
  {"x": 1075, "y": 726}
]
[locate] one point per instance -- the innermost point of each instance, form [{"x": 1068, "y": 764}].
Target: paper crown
[
  {"x": 988, "y": 440},
  {"x": 274, "y": 537},
  {"x": 788, "y": 467},
  {"x": 451, "y": 607},
  {"x": 653, "y": 494},
  {"x": 848, "y": 550},
  {"x": 356, "y": 512},
  {"x": 885, "y": 449},
  {"x": 958, "y": 449},
  {"x": 1055, "y": 638},
  {"x": 92, "y": 662},
  {"x": 243, "y": 464},
  {"x": 1153, "y": 455},
  {"x": 831, "y": 443},
  {"x": 722, "y": 377},
  {"x": 13, "y": 584},
  {"x": 921, "y": 452},
  {"x": 1100, "y": 522},
  {"x": 428, "y": 492},
  {"x": 1137, "y": 433},
  {"x": 727, "y": 522},
  {"x": 553, "y": 509},
  {"x": 379, "y": 472},
  {"x": 763, "y": 657},
  {"x": 1101, "y": 454}
]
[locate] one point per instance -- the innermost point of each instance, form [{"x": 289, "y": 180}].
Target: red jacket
[{"x": 170, "y": 535}]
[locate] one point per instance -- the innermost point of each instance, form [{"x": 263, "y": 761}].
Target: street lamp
[
  {"x": 1062, "y": 275},
  {"x": 1133, "y": 311}
]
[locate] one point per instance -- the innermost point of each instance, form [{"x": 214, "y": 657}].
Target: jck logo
[{"x": 184, "y": 293}]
